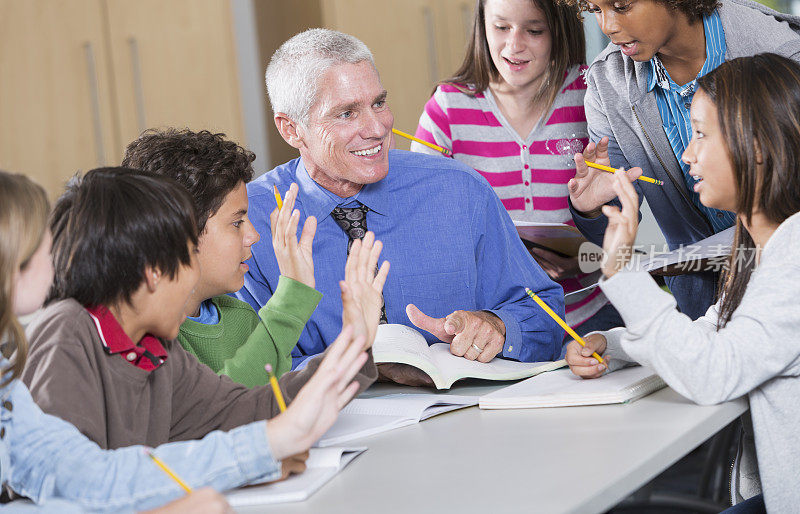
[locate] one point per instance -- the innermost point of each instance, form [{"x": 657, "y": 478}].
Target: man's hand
[
  {"x": 580, "y": 358},
  {"x": 474, "y": 335},
  {"x": 403, "y": 374},
  {"x": 294, "y": 258},
  {"x": 556, "y": 266},
  {"x": 362, "y": 287},
  {"x": 590, "y": 189}
]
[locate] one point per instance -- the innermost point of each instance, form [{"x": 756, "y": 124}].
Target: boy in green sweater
[{"x": 224, "y": 333}]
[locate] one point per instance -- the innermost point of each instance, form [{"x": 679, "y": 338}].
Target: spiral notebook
[{"x": 561, "y": 388}]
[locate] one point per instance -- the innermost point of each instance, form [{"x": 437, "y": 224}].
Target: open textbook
[
  {"x": 402, "y": 344},
  {"x": 559, "y": 237},
  {"x": 322, "y": 465},
  {"x": 564, "y": 389},
  {"x": 368, "y": 416}
]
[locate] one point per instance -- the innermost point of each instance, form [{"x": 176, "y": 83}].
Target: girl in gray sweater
[{"x": 745, "y": 149}]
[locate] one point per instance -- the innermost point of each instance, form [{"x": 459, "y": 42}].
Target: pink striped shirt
[{"x": 529, "y": 175}]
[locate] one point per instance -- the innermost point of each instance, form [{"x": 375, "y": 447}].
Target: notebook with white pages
[
  {"x": 399, "y": 343},
  {"x": 562, "y": 388},
  {"x": 363, "y": 417},
  {"x": 322, "y": 465}
]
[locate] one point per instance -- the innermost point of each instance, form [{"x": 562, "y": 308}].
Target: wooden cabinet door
[
  {"x": 56, "y": 113},
  {"x": 404, "y": 43},
  {"x": 175, "y": 65},
  {"x": 454, "y": 17}
]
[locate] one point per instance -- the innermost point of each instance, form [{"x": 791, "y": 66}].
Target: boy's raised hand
[
  {"x": 317, "y": 405},
  {"x": 590, "y": 189},
  {"x": 362, "y": 287},
  {"x": 294, "y": 257}
]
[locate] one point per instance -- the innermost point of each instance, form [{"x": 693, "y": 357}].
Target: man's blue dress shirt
[{"x": 450, "y": 242}]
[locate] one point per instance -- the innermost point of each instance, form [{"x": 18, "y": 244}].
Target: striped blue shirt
[{"x": 673, "y": 105}]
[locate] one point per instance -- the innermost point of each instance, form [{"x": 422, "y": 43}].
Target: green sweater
[{"x": 243, "y": 342}]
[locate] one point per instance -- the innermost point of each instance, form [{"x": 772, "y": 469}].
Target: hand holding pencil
[{"x": 591, "y": 188}]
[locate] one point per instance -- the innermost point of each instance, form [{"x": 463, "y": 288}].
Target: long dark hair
[
  {"x": 568, "y": 49},
  {"x": 758, "y": 105}
]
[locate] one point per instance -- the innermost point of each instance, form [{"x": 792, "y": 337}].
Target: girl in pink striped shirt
[{"x": 514, "y": 112}]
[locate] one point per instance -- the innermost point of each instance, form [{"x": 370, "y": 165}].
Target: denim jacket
[{"x": 47, "y": 459}]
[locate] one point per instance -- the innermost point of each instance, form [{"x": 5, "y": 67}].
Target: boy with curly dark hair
[
  {"x": 224, "y": 333},
  {"x": 637, "y": 104}
]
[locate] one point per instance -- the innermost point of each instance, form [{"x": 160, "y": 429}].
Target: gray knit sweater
[{"x": 756, "y": 354}]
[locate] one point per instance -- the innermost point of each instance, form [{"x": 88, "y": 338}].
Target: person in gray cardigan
[
  {"x": 746, "y": 152},
  {"x": 627, "y": 123}
]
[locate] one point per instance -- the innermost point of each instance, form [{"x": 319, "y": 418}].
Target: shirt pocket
[{"x": 438, "y": 294}]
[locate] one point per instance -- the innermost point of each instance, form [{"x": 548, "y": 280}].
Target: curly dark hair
[
  {"x": 206, "y": 164},
  {"x": 693, "y": 9}
]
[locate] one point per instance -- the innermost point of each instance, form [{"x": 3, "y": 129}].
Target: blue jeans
[{"x": 754, "y": 505}]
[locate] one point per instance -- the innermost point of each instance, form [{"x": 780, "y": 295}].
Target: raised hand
[
  {"x": 362, "y": 287},
  {"x": 590, "y": 189},
  {"x": 474, "y": 335},
  {"x": 580, "y": 358},
  {"x": 295, "y": 259},
  {"x": 316, "y": 406},
  {"x": 622, "y": 226}
]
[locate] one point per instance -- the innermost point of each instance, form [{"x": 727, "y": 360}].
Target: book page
[
  {"x": 322, "y": 465},
  {"x": 455, "y": 368},
  {"x": 399, "y": 343}
]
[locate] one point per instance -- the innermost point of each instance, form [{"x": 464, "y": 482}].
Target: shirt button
[
  {"x": 687, "y": 105},
  {"x": 7, "y": 405},
  {"x": 526, "y": 166},
  {"x": 719, "y": 215},
  {"x": 2, "y": 433},
  {"x": 527, "y": 200},
  {"x": 510, "y": 348},
  {"x": 131, "y": 356},
  {"x": 524, "y": 147},
  {"x": 527, "y": 183}
]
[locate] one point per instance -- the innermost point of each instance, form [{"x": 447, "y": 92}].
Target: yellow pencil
[
  {"x": 168, "y": 471},
  {"x": 445, "y": 151},
  {"x": 277, "y": 197},
  {"x": 275, "y": 388},
  {"x": 561, "y": 322},
  {"x": 612, "y": 170}
]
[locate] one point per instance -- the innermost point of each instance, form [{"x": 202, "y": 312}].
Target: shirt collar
[
  {"x": 715, "y": 55},
  {"x": 116, "y": 341},
  {"x": 319, "y": 202}
]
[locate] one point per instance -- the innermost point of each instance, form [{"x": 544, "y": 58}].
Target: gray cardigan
[
  {"x": 618, "y": 106},
  {"x": 757, "y": 354}
]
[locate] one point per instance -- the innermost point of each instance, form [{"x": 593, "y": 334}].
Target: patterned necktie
[{"x": 353, "y": 221}]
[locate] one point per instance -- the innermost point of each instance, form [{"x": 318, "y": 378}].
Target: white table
[{"x": 576, "y": 459}]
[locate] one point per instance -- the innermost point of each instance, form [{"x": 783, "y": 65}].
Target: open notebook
[
  {"x": 322, "y": 465},
  {"x": 399, "y": 343},
  {"x": 562, "y": 388},
  {"x": 367, "y": 416}
]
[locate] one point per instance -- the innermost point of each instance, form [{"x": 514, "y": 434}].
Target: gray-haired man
[{"x": 454, "y": 251}]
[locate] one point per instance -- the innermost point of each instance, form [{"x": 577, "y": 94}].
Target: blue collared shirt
[
  {"x": 674, "y": 102},
  {"x": 450, "y": 242}
]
